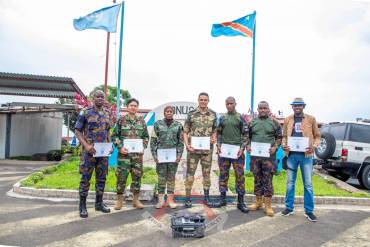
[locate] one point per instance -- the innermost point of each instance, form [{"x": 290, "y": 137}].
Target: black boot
[
  {"x": 83, "y": 210},
  {"x": 206, "y": 197},
  {"x": 223, "y": 200},
  {"x": 241, "y": 206},
  {"x": 100, "y": 205},
  {"x": 188, "y": 203}
]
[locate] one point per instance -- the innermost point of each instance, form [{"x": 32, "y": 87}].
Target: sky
[{"x": 318, "y": 50}]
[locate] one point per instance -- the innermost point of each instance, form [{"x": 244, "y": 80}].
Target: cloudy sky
[{"x": 319, "y": 50}]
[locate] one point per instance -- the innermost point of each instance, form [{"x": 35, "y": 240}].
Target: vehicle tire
[
  {"x": 364, "y": 177},
  {"x": 326, "y": 147},
  {"x": 339, "y": 175}
]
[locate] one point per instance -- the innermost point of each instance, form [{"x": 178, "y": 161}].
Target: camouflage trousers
[
  {"x": 87, "y": 166},
  {"x": 166, "y": 176},
  {"x": 191, "y": 166},
  {"x": 263, "y": 171},
  {"x": 238, "y": 165},
  {"x": 133, "y": 164}
]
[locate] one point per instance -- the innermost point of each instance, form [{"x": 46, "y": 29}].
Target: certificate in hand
[
  {"x": 201, "y": 143},
  {"x": 166, "y": 155},
  {"x": 229, "y": 151},
  {"x": 102, "y": 149},
  {"x": 260, "y": 149},
  {"x": 134, "y": 145},
  {"x": 298, "y": 144}
]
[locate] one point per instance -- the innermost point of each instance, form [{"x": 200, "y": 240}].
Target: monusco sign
[{"x": 180, "y": 110}]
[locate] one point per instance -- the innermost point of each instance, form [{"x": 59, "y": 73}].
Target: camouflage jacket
[
  {"x": 200, "y": 124},
  {"x": 94, "y": 124},
  {"x": 127, "y": 128},
  {"x": 164, "y": 136}
]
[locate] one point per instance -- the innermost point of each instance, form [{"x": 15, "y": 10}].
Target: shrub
[{"x": 54, "y": 155}]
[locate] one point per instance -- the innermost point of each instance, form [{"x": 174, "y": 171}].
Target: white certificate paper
[
  {"x": 166, "y": 155},
  {"x": 201, "y": 143},
  {"x": 260, "y": 149},
  {"x": 102, "y": 149},
  {"x": 134, "y": 145},
  {"x": 229, "y": 151},
  {"x": 298, "y": 144}
]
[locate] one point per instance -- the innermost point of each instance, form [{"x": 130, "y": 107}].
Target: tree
[
  {"x": 112, "y": 94},
  {"x": 111, "y": 98}
]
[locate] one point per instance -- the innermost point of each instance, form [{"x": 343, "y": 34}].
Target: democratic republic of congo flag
[{"x": 243, "y": 26}]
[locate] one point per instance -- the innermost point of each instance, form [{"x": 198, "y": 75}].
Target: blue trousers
[{"x": 294, "y": 161}]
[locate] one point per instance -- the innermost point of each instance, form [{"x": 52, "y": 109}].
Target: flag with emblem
[
  {"x": 105, "y": 19},
  {"x": 245, "y": 26},
  {"x": 241, "y": 27}
]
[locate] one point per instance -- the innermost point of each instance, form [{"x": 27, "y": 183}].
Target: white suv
[{"x": 344, "y": 151}]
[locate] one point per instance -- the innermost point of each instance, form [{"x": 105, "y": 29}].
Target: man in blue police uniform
[{"x": 92, "y": 126}]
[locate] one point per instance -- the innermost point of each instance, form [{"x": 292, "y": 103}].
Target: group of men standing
[{"x": 202, "y": 129}]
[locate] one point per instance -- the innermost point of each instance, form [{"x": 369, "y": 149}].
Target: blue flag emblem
[{"x": 105, "y": 19}]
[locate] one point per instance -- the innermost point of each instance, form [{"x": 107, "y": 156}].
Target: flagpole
[
  {"x": 120, "y": 63},
  {"x": 107, "y": 63},
  {"x": 106, "y": 66},
  {"x": 253, "y": 62}
]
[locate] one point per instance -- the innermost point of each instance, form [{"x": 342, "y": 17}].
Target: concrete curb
[{"x": 147, "y": 194}]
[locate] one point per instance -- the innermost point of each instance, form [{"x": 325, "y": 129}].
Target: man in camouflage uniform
[
  {"x": 167, "y": 134},
  {"x": 264, "y": 129},
  {"x": 130, "y": 126},
  {"x": 93, "y": 126},
  {"x": 200, "y": 122},
  {"x": 232, "y": 130}
]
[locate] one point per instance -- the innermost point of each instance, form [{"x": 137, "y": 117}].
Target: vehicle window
[
  {"x": 338, "y": 131},
  {"x": 324, "y": 128},
  {"x": 360, "y": 133}
]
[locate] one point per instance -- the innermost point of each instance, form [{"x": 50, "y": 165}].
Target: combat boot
[
  {"x": 223, "y": 200},
  {"x": 171, "y": 201},
  {"x": 188, "y": 203},
  {"x": 206, "y": 197},
  {"x": 160, "y": 201},
  {"x": 119, "y": 202},
  {"x": 241, "y": 205},
  {"x": 100, "y": 205},
  {"x": 257, "y": 205},
  {"x": 268, "y": 208},
  {"x": 83, "y": 210},
  {"x": 135, "y": 202}
]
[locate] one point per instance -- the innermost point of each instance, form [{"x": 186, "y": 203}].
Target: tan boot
[
  {"x": 268, "y": 208},
  {"x": 171, "y": 201},
  {"x": 119, "y": 202},
  {"x": 135, "y": 202},
  {"x": 257, "y": 205},
  {"x": 160, "y": 201}
]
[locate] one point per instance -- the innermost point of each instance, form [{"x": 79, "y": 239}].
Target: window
[
  {"x": 324, "y": 129},
  {"x": 360, "y": 133},
  {"x": 338, "y": 131}
]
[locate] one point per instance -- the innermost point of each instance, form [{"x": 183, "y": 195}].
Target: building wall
[
  {"x": 2, "y": 135},
  {"x": 35, "y": 133}
]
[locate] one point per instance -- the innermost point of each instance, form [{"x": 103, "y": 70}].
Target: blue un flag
[{"x": 105, "y": 19}]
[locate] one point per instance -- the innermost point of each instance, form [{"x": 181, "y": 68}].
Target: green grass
[
  {"x": 321, "y": 187},
  {"x": 66, "y": 176}
]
